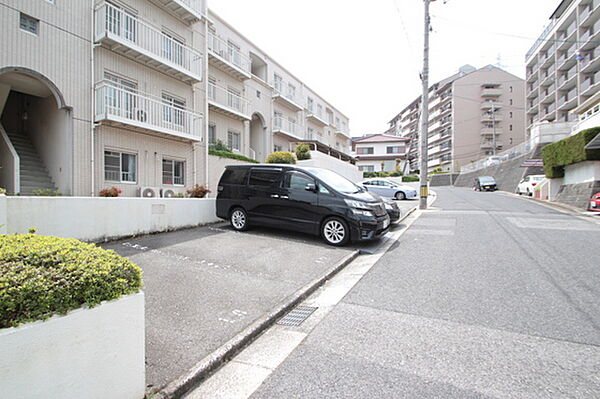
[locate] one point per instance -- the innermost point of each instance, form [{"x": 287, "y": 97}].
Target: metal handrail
[
  {"x": 228, "y": 98},
  {"x": 223, "y": 49}
]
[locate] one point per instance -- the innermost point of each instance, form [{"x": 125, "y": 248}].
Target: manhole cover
[{"x": 296, "y": 316}]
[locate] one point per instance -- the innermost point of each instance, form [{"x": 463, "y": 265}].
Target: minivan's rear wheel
[
  {"x": 335, "y": 231},
  {"x": 400, "y": 195},
  {"x": 239, "y": 219}
]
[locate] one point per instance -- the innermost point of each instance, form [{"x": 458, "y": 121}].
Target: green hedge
[
  {"x": 281, "y": 157},
  {"x": 41, "y": 276},
  {"x": 368, "y": 175},
  {"x": 227, "y": 154},
  {"x": 569, "y": 151},
  {"x": 410, "y": 178},
  {"x": 302, "y": 151}
]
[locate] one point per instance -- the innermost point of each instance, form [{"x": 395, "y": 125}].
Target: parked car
[
  {"x": 595, "y": 203},
  {"x": 311, "y": 200},
  {"x": 392, "y": 210},
  {"x": 528, "y": 183},
  {"x": 493, "y": 160},
  {"x": 389, "y": 189},
  {"x": 485, "y": 183}
]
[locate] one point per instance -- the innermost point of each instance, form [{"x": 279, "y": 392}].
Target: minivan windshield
[
  {"x": 487, "y": 180},
  {"x": 335, "y": 181}
]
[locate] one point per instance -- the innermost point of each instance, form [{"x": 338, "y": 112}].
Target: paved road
[
  {"x": 487, "y": 296},
  {"x": 205, "y": 285}
]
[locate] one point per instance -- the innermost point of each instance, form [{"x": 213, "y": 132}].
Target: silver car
[{"x": 389, "y": 189}]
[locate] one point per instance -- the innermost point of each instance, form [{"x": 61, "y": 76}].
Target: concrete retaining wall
[
  {"x": 346, "y": 169},
  {"x": 98, "y": 219},
  {"x": 446, "y": 179},
  {"x": 95, "y": 353},
  {"x": 577, "y": 195}
]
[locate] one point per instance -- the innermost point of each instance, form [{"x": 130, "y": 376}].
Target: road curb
[
  {"x": 205, "y": 367},
  {"x": 552, "y": 204}
]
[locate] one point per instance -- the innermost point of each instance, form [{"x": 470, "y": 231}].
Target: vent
[
  {"x": 168, "y": 193},
  {"x": 149, "y": 192}
]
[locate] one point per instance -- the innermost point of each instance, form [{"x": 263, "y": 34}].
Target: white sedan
[
  {"x": 527, "y": 185},
  {"x": 389, "y": 189}
]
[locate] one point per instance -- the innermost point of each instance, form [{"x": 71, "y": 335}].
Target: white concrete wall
[
  {"x": 97, "y": 219},
  {"x": 554, "y": 187},
  {"x": 346, "y": 169},
  {"x": 9, "y": 163},
  {"x": 582, "y": 172},
  {"x": 2, "y": 214},
  {"x": 92, "y": 353}
]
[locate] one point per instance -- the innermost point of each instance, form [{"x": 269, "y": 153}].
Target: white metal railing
[
  {"x": 287, "y": 126},
  {"x": 541, "y": 39},
  {"x": 521, "y": 149},
  {"x": 114, "y": 102},
  {"x": 195, "y": 5},
  {"x": 11, "y": 173},
  {"x": 137, "y": 34},
  {"x": 228, "y": 98},
  {"x": 228, "y": 52},
  {"x": 282, "y": 88}
]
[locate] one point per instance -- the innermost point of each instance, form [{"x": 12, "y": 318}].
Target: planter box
[{"x": 88, "y": 353}]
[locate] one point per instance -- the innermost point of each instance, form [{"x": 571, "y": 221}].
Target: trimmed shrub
[
  {"x": 569, "y": 151},
  {"x": 198, "y": 191},
  {"x": 46, "y": 192},
  {"x": 110, "y": 192},
  {"x": 231, "y": 155},
  {"x": 410, "y": 178},
  {"x": 41, "y": 276},
  {"x": 281, "y": 157},
  {"x": 2, "y": 191},
  {"x": 302, "y": 151},
  {"x": 219, "y": 146},
  {"x": 368, "y": 175}
]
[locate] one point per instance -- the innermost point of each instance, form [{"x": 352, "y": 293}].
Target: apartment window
[
  {"x": 277, "y": 83},
  {"x": 234, "y": 99},
  {"x": 510, "y": 88},
  {"x": 233, "y": 141},
  {"x": 172, "y": 172},
  {"x": 120, "y": 97},
  {"x": 367, "y": 168},
  {"x": 344, "y": 126},
  {"x": 510, "y": 101},
  {"x": 337, "y": 121},
  {"x": 310, "y": 133},
  {"x": 277, "y": 148},
  {"x": 234, "y": 53},
  {"x": 292, "y": 125},
  {"x": 364, "y": 150},
  {"x": 173, "y": 111},
  {"x": 510, "y": 128},
  {"x": 172, "y": 48},
  {"x": 212, "y": 88},
  {"x": 291, "y": 91},
  {"x": 319, "y": 110},
  {"x": 212, "y": 133},
  {"x": 120, "y": 167},
  {"x": 29, "y": 24},
  {"x": 257, "y": 93},
  {"x": 310, "y": 104},
  {"x": 395, "y": 150},
  {"x": 121, "y": 22},
  {"x": 510, "y": 115}
]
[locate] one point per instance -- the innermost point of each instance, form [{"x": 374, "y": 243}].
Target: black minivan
[{"x": 311, "y": 200}]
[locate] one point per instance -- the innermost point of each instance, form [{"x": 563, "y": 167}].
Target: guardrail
[{"x": 516, "y": 151}]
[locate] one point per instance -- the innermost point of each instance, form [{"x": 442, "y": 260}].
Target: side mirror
[{"x": 311, "y": 187}]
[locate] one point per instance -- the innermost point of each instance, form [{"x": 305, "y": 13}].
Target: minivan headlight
[{"x": 359, "y": 208}]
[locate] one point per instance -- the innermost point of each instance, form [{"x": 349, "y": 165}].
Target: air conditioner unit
[
  {"x": 149, "y": 192},
  {"x": 168, "y": 193}
]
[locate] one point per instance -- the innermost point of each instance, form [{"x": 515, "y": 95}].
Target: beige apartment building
[
  {"x": 563, "y": 65},
  {"x": 472, "y": 114},
  {"x": 95, "y": 94}
]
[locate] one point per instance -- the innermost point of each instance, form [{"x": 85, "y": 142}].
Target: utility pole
[
  {"x": 425, "y": 111},
  {"x": 494, "y": 128}
]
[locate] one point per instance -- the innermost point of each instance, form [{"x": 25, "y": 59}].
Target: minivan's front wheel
[
  {"x": 335, "y": 231},
  {"x": 239, "y": 219}
]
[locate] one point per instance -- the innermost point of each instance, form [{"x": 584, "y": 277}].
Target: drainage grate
[{"x": 296, "y": 316}]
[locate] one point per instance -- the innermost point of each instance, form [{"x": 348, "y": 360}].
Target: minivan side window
[
  {"x": 263, "y": 177},
  {"x": 297, "y": 181},
  {"x": 234, "y": 176}
]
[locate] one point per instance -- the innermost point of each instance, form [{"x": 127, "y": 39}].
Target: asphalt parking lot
[{"x": 206, "y": 284}]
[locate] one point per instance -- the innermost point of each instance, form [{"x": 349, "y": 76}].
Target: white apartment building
[
  {"x": 380, "y": 152},
  {"x": 95, "y": 94},
  {"x": 472, "y": 114},
  {"x": 563, "y": 65}
]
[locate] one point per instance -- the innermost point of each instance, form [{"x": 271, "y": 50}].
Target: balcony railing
[
  {"x": 229, "y": 55},
  {"x": 138, "y": 40},
  {"x": 122, "y": 105},
  {"x": 188, "y": 10},
  {"x": 290, "y": 98},
  {"x": 287, "y": 127},
  {"x": 228, "y": 101},
  {"x": 316, "y": 117}
]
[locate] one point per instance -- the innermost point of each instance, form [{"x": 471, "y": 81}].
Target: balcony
[
  {"x": 228, "y": 58},
  {"x": 227, "y": 102},
  {"x": 137, "y": 40},
  {"x": 119, "y": 106},
  {"x": 288, "y": 99},
  {"x": 186, "y": 10},
  {"x": 491, "y": 131},
  {"x": 316, "y": 118},
  {"x": 491, "y": 104},
  {"x": 491, "y": 118},
  {"x": 287, "y": 128},
  {"x": 340, "y": 132},
  {"x": 489, "y": 144},
  {"x": 489, "y": 92}
]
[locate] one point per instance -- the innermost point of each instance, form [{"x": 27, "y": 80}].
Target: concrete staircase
[{"x": 34, "y": 175}]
